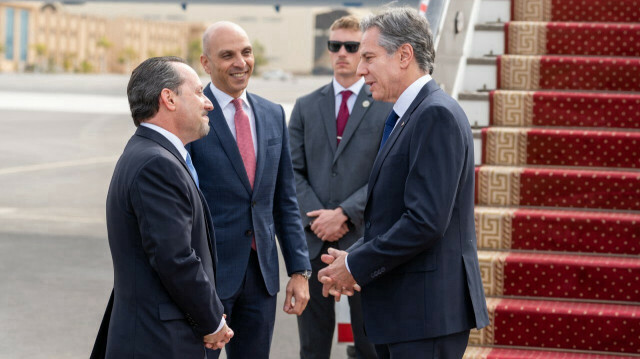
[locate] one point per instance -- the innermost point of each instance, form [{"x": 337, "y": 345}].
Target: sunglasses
[{"x": 350, "y": 46}]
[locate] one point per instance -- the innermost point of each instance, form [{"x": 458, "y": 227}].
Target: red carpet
[
  {"x": 575, "y": 277},
  {"x": 513, "y": 186},
  {"x": 562, "y": 325},
  {"x": 576, "y": 10},
  {"x": 559, "y": 147},
  {"x": 558, "y": 191},
  {"x": 568, "y": 73},
  {"x": 551, "y": 108},
  {"x": 501, "y": 353},
  {"x": 571, "y": 38},
  {"x": 559, "y": 231}
]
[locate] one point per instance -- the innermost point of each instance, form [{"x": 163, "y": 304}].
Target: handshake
[
  {"x": 335, "y": 278},
  {"x": 220, "y": 338}
]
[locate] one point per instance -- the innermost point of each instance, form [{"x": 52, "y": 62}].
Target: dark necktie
[
  {"x": 389, "y": 124},
  {"x": 343, "y": 115}
]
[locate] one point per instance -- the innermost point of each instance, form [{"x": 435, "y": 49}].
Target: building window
[
  {"x": 24, "y": 34},
  {"x": 8, "y": 43}
]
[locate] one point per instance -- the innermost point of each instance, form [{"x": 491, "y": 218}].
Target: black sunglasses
[{"x": 350, "y": 46}]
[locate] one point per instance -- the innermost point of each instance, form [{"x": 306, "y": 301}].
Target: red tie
[
  {"x": 245, "y": 145},
  {"x": 343, "y": 114}
]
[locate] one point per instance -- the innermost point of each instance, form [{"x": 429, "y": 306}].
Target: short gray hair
[
  {"x": 404, "y": 25},
  {"x": 147, "y": 82}
]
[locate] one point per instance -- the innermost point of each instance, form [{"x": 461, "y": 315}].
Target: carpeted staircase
[{"x": 558, "y": 190}]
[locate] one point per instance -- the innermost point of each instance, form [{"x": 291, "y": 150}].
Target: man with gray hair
[{"x": 417, "y": 264}]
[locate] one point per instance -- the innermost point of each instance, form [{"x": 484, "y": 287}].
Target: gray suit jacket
[{"x": 330, "y": 176}]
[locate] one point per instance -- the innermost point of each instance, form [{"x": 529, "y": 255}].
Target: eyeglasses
[{"x": 350, "y": 46}]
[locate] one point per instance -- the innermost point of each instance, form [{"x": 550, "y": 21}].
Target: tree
[
  {"x": 194, "y": 50},
  {"x": 41, "y": 55},
  {"x": 127, "y": 55},
  {"x": 103, "y": 45},
  {"x": 258, "y": 55}
]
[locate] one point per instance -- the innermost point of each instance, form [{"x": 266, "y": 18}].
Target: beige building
[
  {"x": 115, "y": 37},
  {"x": 43, "y": 38}
]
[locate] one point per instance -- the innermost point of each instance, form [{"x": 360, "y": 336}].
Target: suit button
[
  {"x": 368, "y": 224},
  {"x": 248, "y": 233},
  {"x": 334, "y": 174},
  {"x": 253, "y": 204}
]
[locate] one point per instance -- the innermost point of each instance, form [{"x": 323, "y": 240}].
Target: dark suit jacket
[
  {"x": 238, "y": 212},
  {"x": 163, "y": 249},
  {"x": 330, "y": 176},
  {"x": 417, "y": 263}
]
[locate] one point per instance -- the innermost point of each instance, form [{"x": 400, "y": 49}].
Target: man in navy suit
[
  {"x": 417, "y": 264},
  {"x": 164, "y": 302},
  {"x": 247, "y": 178}
]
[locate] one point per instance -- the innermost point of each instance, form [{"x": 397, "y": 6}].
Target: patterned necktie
[
  {"x": 244, "y": 140},
  {"x": 192, "y": 169},
  {"x": 343, "y": 114},
  {"x": 245, "y": 145},
  {"x": 389, "y": 124}
]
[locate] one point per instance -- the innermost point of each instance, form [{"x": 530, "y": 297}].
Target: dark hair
[
  {"x": 403, "y": 25},
  {"x": 147, "y": 82}
]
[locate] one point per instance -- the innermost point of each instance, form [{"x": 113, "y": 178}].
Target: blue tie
[
  {"x": 389, "y": 124},
  {"x": 192, "y": 169}
]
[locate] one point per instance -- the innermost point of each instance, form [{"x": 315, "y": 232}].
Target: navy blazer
[
  {"x": 238, "y": 212},
  {"x": 417, "y": 262},
  {"x": 161, "y": 238}
]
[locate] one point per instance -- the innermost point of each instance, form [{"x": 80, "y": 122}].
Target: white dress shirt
[
  {"x": 337, "y": 92},
  {"x": 177, "y": 143},
  {"x": 229, "y": 111},
  {"x": 400, "y": 107}
]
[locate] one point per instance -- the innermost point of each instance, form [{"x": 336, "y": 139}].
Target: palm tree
[{"x": 104, "y": 45}]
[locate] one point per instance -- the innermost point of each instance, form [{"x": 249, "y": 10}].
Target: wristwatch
[{"x": 306, "y": 274}]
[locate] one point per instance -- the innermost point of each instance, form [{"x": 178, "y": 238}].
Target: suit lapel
[
  {"x": 229, "y": 145},
  {"x": 259, "y": 114},
  {"x": 356, "y": 116},
  {"x": 164, "y": 142},
  {"x": 327, "y": 108},
  {"x": 427, "y": 89}
]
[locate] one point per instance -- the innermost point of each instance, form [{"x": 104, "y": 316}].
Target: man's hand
[
  {"x": 335, "y": 278},
  {"x": 219, "y": 339},
  {"x": 329, "y": 224},
  {"x": 298, "y": 290}
]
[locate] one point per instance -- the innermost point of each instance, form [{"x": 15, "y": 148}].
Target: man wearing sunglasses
[{"x": 335, "y": 132}]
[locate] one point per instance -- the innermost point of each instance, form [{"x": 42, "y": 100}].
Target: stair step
[
  {"x": 480, "y": 74},
  {"x": 557, "y": 187},
  {"x": 579, "y": 10},
  {"x": 557, "y": 230},
  {"x": 551, "y": 108},
  {"x": 561, "y": 325},
  {"x": 563, "y": 276},
  {"x": 494, "y": 11},
  {"x": 560, "y": 147},
  {"x": 474, "y": 352},
  {"x": 517, "y": 72},
  {"x": 570, "y": 38}
]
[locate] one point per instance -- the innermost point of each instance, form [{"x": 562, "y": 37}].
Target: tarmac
[{"x": 59, "y": 140}]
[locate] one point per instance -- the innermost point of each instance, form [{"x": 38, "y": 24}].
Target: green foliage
[
  {"x": 194, "y": 50},
  {"x": 86, "y": 67},
  {"x": 259, "y": 56}
]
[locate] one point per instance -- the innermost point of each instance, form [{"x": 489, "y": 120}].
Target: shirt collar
[
  {"x": 175, "y": 141},
  {"x": 225, "y": 99},
  {"x": 355, "y": 88},
  {"x": 406, "y": 98}
]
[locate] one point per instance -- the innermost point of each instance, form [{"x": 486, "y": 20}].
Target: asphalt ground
[{"x": 60, "y": 136}]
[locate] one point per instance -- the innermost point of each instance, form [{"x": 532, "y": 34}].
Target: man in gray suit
[{"x": 335, "y": 133}]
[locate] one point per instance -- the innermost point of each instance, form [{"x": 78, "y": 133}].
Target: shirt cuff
[
  {"x": 222, "y": 323},
  {"x": 346, "y": 263}
]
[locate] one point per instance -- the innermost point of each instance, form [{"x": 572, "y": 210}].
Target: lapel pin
[
  {"x": 402, "y": 124},
  {"x": 366, "y": 103}
]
